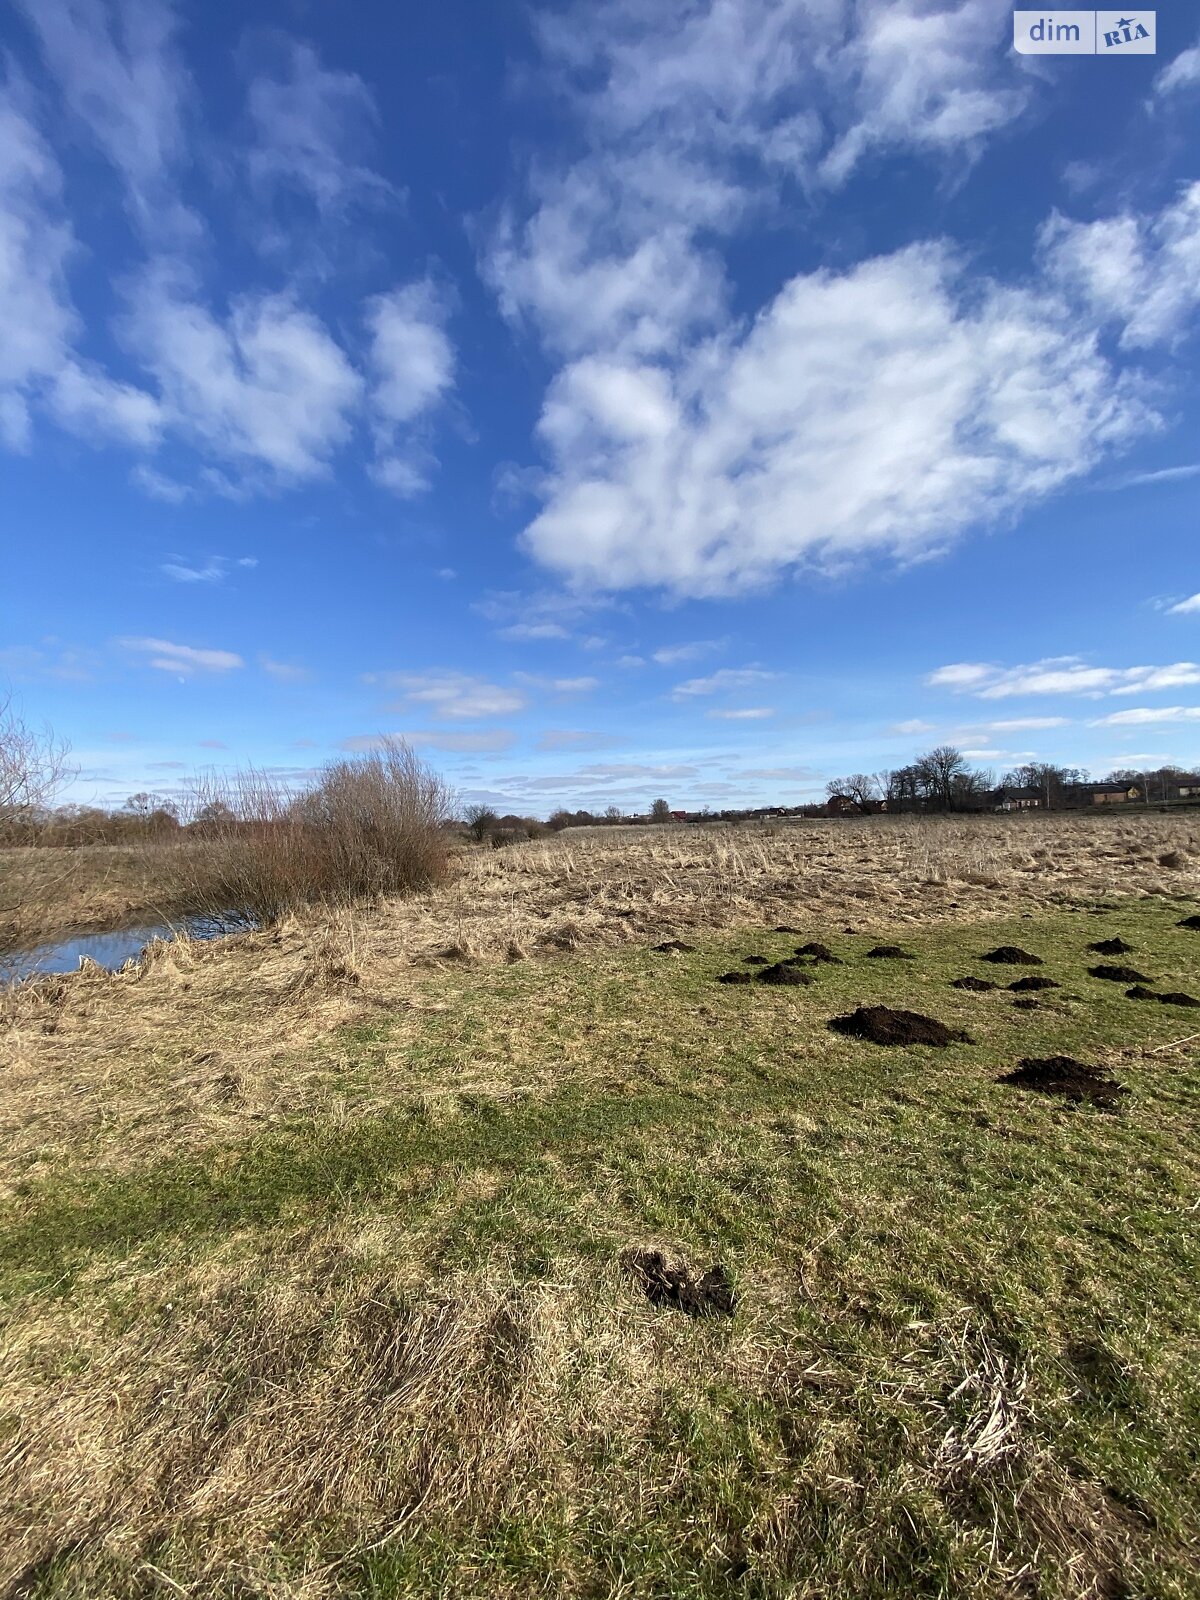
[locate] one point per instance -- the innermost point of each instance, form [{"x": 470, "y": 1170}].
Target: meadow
[{"x": 470, "y": 1244}]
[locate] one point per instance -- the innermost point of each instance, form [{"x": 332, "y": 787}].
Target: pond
[{"x": 111, "y": 947}]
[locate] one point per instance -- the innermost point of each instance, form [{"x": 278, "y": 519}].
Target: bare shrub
[{"x": 369, "y": 826}]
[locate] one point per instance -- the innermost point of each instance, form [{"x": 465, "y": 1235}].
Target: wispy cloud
[
  {"x": 452, "y": 694},
  {"x": 182, "y": 659},
  {"x": 673, "y": 655},
  {"x": 1146, "y": 714},
  {"x": 532, "y": 632},
  {"x": 744, "y": 714},
  {"x": 1184, "y": 608},
  {"x": 1134, "y": 480},
  {"x": 573, "y": 739},
  {"x": 284, "y": 671},
  {"x": 728, "y": 678},
  {"x": 1059, "y": 675}
]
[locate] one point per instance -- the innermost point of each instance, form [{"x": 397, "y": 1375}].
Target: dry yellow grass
[{"x": 312, "y": 1279}]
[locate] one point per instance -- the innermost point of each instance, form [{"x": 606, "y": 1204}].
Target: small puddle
[{"x": 111, "y": 948}]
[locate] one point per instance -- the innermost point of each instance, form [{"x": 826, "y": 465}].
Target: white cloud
[
  {"x": 1144, "y": 714},
  {"x": 532, "y": 632},
  {"x": 1024, "y": 724},
  {"x": 557, "y": 685},
  {"x": 1181, "y": 73},
  {"x": 413, "y": 364},
  {"x": 122, "y": 80},
  {"x": 746, "y": 714},
  {"x": 672, "y": 654},
  {"x": 1134, "y": 480},
  {"x": 883, "y": 410},
  {"x": 719, "y": 682},
  {"x": 266, "y": 390},
  {"x": 213, "y": 571},
  {"x": 1183, "y": 608},
  {"x": 1138, "y": 271},
  {"x": 1059, "y": 675},
  {"x": 913, "y": 725},
  {"x": 182, "y": 659},
  {"x": 313, "y": 129},
  {"x": 452, "y": 694}
]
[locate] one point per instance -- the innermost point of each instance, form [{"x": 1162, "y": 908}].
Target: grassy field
[{"x": 316, "y": 1273}]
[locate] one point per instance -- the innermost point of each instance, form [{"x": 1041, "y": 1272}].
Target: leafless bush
[{"x": 368, "y": 826}]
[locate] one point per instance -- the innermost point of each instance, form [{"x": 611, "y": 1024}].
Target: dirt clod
[
  {"x": 735, "y": 977},
  {"x": 891, "y": 952},
  {"x": 1063, "y": 1076},
  {"x": 1172, "y": 998},
  {"x": 1011, "y": 955},
  {"x": 784, "y": 972},
  {"x": 784, "y": 927},
  {"x": 710, "y": 1295},
  {"x": 882, "y": 1025},
  {"x": 676, "y": 944},
  {"x": 1119, "y": 974},
  {"x": 1111, "y": 947},
  {"x": 1033, "y": 982},
  {"x": 816, "y": 951},
  {"x": 975, "y": 985}
]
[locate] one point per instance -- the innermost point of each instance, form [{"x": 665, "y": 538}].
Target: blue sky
[{"x": 703, "y": 398}]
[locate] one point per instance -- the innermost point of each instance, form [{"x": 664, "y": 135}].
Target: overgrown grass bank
[{"x": 379, "y": 1340}]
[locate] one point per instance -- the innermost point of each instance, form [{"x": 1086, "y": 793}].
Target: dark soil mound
[
  {"x": 1011, "y": 955},
  {"x": 1173, "y": 998},
  {"x": 818, "y": 952},
  {"x": 734, "y": 977},
  {"x": 1026, "y": 1002},
  {"x": 1111, "y": 947},
  {"x": 882, "y": 1025},
  {"x": 784, "y": 927},
  {"x": 1189, "y": 922},
  {"x": 1119, "y": 974},
  {"x": 757, "y": 961},
  {"x": 708, "y": 1296},
  {"x": 891, "y": 952},
  {"x": 975, "y": 985},
  {"x": 784, "y": 972},
  {"x": 1036, "y": 981},
  {"x": 1062, "y": 1076},
  {"x": 676, "y": 944}
]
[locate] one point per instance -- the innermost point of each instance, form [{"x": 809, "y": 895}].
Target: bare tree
[
  {"x": 481, "y": 820},
  {"x": 944, "y": 777},
  {"x": 33, "y": 768},
  {"x": 660, "y": 811},
  {"x": 860, "y": 787}
]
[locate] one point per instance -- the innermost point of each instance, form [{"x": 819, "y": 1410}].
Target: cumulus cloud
[
  {"x": 884, "y": 409},
  {"x": 266, "y": 388},
  {"x": 1180, "y": 74},
  {"x": 183, "y": 660},
  {"x": 1184, "y": 608},
  {"x": 1059, "y": 675},
  {"x": 412, "y": 361},
  {"x": 1140, "y": 272}
]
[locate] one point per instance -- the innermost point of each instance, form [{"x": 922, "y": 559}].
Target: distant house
[
  {"x": 1103, "y": 794},
  {"x": 1184, "y": 788},
  {"x": 845, "y": 805},
  {"x": 1010, "y": 797},
  {"x": 679, "y": 816}
]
